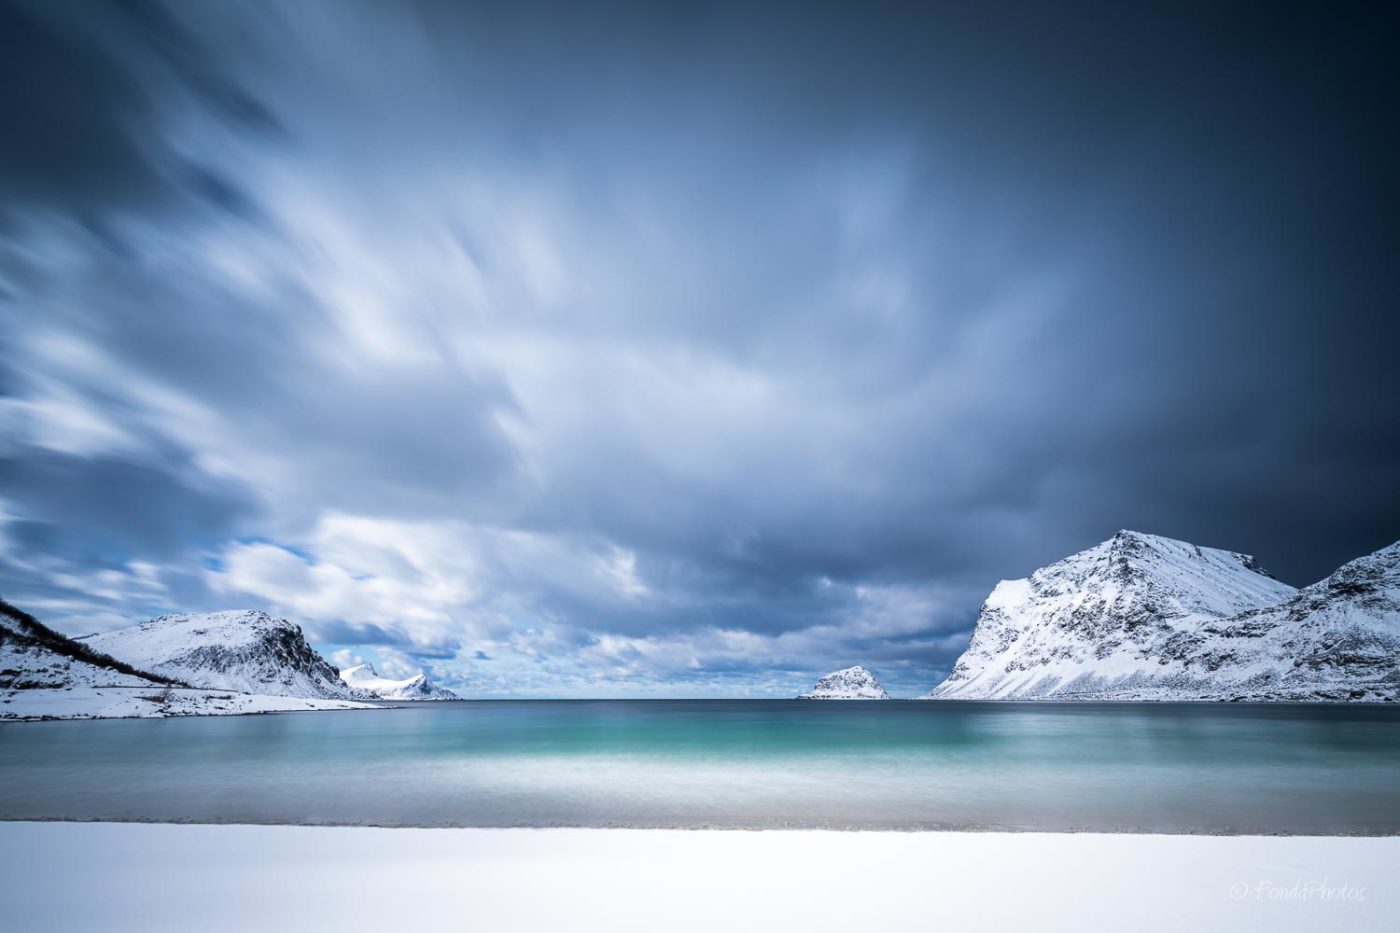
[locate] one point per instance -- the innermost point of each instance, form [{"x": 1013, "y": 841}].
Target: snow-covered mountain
[
  {"x": 417, "y": 687},
  {"x": 853, "y": 683},
  {"x": 247, "y": 651},
  {"x": 1115, "y": 617},
  {"x": 1146, "y": 617},
  {"x": 47, "y": 675},
  {"x": 1338, "y": 639}
]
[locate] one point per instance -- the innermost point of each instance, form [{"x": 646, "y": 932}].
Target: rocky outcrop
[{"x": 853, "y": 683}]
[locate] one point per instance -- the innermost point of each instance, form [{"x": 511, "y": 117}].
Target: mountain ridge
[{"x": 19, "y": 628}]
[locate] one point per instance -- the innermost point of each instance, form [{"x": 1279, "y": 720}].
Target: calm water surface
[{"x": 1114, "y": 767}]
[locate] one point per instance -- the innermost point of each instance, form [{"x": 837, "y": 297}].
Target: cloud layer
[{"x": 644, "y": 353}]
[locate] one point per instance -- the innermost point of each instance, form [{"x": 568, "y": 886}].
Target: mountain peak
[
  {"x": 1179, "y": 577},
  {"x": 1103, "y": 615},
  {"x": 417, "y": 687},
  {"x": 1367, "y": 589},
  {"x": 1377, "y": 568}
]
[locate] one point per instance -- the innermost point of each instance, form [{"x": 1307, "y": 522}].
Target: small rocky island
[{"x": 853, "y": 683}]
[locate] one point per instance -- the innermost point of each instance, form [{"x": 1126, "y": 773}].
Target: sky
[{"x": 681, "y": 350}]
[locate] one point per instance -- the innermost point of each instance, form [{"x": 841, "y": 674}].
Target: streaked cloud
[{"x": 677, "y": 351}]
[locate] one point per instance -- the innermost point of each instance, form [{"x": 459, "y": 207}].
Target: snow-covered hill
[
  {"x": 417, "y": 687},
  {"x": 1145, "y": 617},
  {"x": 247, "y": 651},
  {"x": 35, "y": 657},
  {"x": 852, "y": 683},
  {"x": 46, "y": 675}
]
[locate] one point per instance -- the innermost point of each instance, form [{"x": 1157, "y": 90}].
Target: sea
[{"x": 730, "y": 764}]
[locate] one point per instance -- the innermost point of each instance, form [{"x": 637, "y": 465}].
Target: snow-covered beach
[{"x": 194, "y": 877}]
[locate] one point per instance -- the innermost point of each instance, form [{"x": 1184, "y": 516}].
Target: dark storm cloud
[
  {"x": 222, "y": 193},
  {"x": 669, "y": 343},
  {"x": 85, "y": 89},
  {"x": 68, "y": 112},
  {"x": 193, "y": 62},
  {"x": 106, "y": 511}
]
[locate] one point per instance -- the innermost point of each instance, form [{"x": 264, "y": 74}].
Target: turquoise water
[{"x": 1111, "y": 767}]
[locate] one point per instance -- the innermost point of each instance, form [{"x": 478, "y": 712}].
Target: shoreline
[
  {"x": 786, "y": 827},
  {"x": 125, "y": 703},
  {"x": 1070, "y": 701},
  {"x": 204, "y": 877}
]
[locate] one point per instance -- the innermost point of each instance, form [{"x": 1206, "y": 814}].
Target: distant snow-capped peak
[{"x": 418, "y": 687}]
